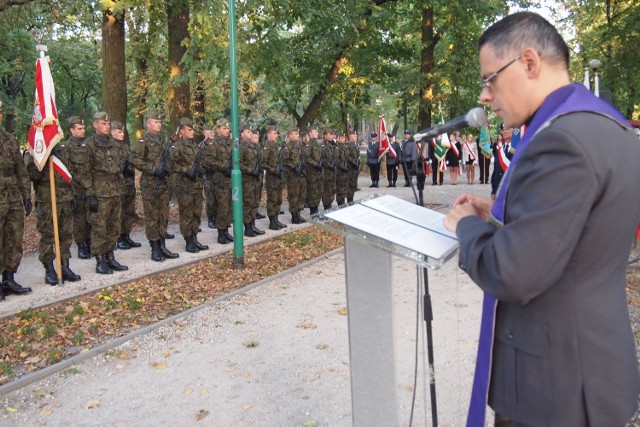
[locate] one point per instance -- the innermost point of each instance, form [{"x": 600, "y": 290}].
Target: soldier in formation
[
  {"x": 354, "y": 164},
  {"x": 392, "y": 161},
  {"x": 44, "y": 215},
  {"x": 372, "y": 159},
  {"x": 272, "y": 163},
  {"x": 329, "y": 166},
  {"x": 313, "y": 158},
  {"x": 186, "y": 161},
  {"x": 128, "y": 191},
  {"x": 151, "y": 158},
  {"x": 250, "y": 154},
  {"x": 77, "y": 167},
  {"x": 15, "y": 203},
  {"x": 293, "y": 160},
  {"x": 209, "y": 193},
  {"x": 342, "y": 169}
]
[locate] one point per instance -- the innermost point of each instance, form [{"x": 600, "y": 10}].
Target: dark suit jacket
[{"x": 564, "y": 352}]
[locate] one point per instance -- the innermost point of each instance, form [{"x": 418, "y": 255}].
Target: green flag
[
  {"x": 485, "y": 143},
  {"x": 441, "y": 143}
]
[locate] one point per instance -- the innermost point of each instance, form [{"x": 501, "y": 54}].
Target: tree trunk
[
  {"x": 179, "y": 97},
  {"x": 429, "y": 41},
  {"x": 114, "y": 79}
]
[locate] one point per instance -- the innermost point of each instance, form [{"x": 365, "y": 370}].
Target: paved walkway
[{"x": 274, "y": 354}]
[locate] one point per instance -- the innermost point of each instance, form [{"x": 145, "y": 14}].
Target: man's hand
[
  {"x": 92, "y": 204},
  {"x": 28, "y": 206},
  {"x": 468, "y": 205}
]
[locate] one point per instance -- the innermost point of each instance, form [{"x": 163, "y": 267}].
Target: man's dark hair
[{"x": 516, "y": 32}]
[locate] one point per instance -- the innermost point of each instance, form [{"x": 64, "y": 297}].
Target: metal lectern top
[{"x": 400, "y": 227}]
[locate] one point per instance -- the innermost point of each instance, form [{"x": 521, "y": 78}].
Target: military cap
[
  {"x": 407, "y": 132},
  {"x": 255, "y": 131},
  {"x": 101, "y": 115},
  {"x": 222, "y": 122},
  {"x": 373, "y": 135},
  {"x": 75, "y": 120},
  {"x": 207, "y": 127},
  {"x": 391, "y": 134},
  {"x": 246, "y": 126},
  {"x": 117, "y": 125},
  {"x": 151, "y": 114},
  {"x": 185, "y": 122},
  {"x": 271, "y": 128},
  {"x": 293, "y": 129}
]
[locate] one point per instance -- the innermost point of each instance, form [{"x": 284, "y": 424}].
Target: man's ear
[{"x": 532, "y": 61}]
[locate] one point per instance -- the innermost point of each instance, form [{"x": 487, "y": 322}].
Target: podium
[{"x": 375, "y": 229}]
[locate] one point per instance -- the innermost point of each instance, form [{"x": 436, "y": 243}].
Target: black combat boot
[
  {"x": 407, "y": 183},
  {"x": 10, "y": 286},
  {"x": 132, "y": 243},
  {"x": 376, "y": 184},
  {"x": 229, "y": 236},
  {"x": 102, "y": 264},
  {"x": 198, "y": 244},
  {"x": 222, "y": 236},
  {"x": 273, "y": 225},
  {"x": 168, "y": 235},
  {"x": 211, "y": 221},
  {"x": 83, "y": 251},
  {"x": 313, "y": 211},
  {"x": 1, "y": 294},
  {"x": 295, "y": 218},
  {"x": 327, "y": 207},
  {"x": 390, "y": 184},
  {"x": 166, "y": 252},
  {"x": 115, "y": 265},
  {"x": 280, "y": 224},
  {"x": 248, "y": 230},
  {"x": 256, "y": 229},
  {"x": 349, "y": 199},
  {"x": 394, "y": 183},
  {"x": 67, "y": 273},
  {"x": 190, "y": 246},
  {"x": 260, "y": 216},
  {"x": 50, "y": 276},
  {"x": 122, "y": 242},
  {"x": 156, "y": 254}
]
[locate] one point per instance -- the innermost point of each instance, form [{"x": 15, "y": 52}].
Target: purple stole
[{"x": 572, "y": 98}]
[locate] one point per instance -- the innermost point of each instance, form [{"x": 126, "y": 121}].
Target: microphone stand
[{"x": 426, "y": 298}]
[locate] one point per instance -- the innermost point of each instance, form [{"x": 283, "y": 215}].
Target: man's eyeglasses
[{"x": 486, "y": 81}]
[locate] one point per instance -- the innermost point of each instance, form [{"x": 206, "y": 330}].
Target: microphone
[{"x": 475, "y": 118}]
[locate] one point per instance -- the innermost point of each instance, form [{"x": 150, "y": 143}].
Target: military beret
[
  {"x": 293, "y": 129},
  {"x": 222, "y": 122},
  {"x": 151, "y": 114},
  {"x": 246, "y": 126},
  {"x": 101, "y": 115},
  {"x": 391, "y": 134},
  {"x": 75, "y": 120},
  {"x": 255, "y": 131},
  {"x": 185, "y": 122},
  {"x": 373, "y": 134},
  {"x": 117, "y": 125},
  {"x": 271, "y": 128},
  {"x": 207, "y": 127},
  {"x": 407, "y": 132}
]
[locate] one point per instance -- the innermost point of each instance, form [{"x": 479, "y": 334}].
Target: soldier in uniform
[
  {"x": 409, "y": 156},
  {"x": 329, "y": 165},
  {"x": 219, "y": 163},
  {"x": 354, "y": 164},
  {"x": 77, "y": 159},
  {"x": 102, "y": 181},
  {"x": 150, "y": 157},
  {"x": 342, "y": 169},
  {"x": 392, "y": 162},
  {"x": 185, "y": 162},
  {"x": 293, "y": 160},
  {"x": 250, "y": 154},
  {"x": 128, "y": 190},
  {"x": 15, "y": 194},
  {"x": 209, "y": 193},
  {"x": 313, "y": 158},
  {"x": 44, "y": 215},
  {"x": 255, "y": 138},
  {"x": 272, "y": 163}
]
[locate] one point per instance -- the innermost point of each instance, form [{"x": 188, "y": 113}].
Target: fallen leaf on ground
[
  {"x": 201, "y": 414},
  {"x": 10, "y": 409},
  {"x": 158, "y": 365},
  {"x": 343, "y": 311},
  {"x": 92, "y": 404}
]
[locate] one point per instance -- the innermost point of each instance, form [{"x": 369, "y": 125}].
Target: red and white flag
[
  {"x": 384, "y": 141},
  {"x": 45, "y": 131}
]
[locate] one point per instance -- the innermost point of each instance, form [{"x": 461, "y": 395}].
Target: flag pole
[{"x": 54, "y": 206}]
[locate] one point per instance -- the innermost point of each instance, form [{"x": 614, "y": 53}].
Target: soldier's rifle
[
  {"x": 300, "y": 166},
  {"x": 278, "y": 170},
  {"x": 163, "y": 170}
]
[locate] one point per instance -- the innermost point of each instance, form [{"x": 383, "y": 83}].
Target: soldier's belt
[
  {"x": 7, "y": 172},
  {"x": 107, "y": 178}
]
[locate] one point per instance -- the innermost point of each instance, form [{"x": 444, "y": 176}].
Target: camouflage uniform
[
  {"x": 189, "y": 186},
  {"x": 81, "y": 227},
  {"x": 15, "y": 190},
  {"x": 209, "y": 192},
  {"x": 342, "y": 172},
  {"x": 329, "y": 164},
  {"x": 293, "y": 160},
  {"x": 147, "y": 158},
  {"x": 102, "y": 181},
  {"x": 354, "y": 168},
  {"x": 250, "y": 154},
  {"x": 272, "y": 162},
  {"x": 219, "y": 162},
  {"x": 315, "y": 177},
  {"x": 44, "y": 215},
  {"x": 128, "y": 194}
]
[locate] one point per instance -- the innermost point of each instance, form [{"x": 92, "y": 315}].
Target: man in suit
[{"x": 561, "y": 351}]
